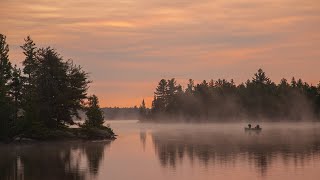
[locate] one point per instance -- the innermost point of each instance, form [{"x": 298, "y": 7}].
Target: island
[{"x": 41, "y": 100}]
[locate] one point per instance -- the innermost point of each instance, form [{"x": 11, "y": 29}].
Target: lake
[{"x": 172, "y": 152}]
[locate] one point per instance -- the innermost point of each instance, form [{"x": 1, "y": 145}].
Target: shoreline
[{"x": 64, "y": 135}]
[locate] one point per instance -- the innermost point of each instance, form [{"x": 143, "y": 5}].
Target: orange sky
[{"x": 129, "y": 45}]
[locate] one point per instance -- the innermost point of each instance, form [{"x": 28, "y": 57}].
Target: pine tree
[
  {"x": 94, "y": 113},
  {"x": 5, "y": 66},
  {"x": 6, "y": 110},
  {"x": 30, "y": 98},
  {"x": 261, "y": 78},
  {"x": 59, "y": 89},
  {"x": 293, "y": 83},
  {"x": 16, "y": 90},
  {"x": 143, "y": 111},
  {"x": 173, "y": 92},
  {"x": 29, "y": 63},
  {"x": 190, "y": 87},
  {"x": 159, "y": 102}
]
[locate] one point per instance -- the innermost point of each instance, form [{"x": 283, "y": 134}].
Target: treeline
[
  {"x": 124, "y": 113},
  {"x": 43, "y": 97},
  {"x": 223, "y": 100}
]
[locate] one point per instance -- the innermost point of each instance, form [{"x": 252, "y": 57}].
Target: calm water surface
[{"x": 174, "y": 151}]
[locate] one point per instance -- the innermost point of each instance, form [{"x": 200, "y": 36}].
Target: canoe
[{"x": 252, "y": 129}]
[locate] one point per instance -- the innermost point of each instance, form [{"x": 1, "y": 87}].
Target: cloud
[{"x": 141, "y": 41}]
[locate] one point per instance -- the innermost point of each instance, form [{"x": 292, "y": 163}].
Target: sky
[{"x": 127, "y": 46}]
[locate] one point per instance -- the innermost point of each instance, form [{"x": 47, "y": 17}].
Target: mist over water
[{"x": 174, "y": 151}]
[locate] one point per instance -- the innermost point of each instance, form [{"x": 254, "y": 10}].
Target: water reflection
[
  {"x": 213, "y": 147},
  {"x": 172, "y": 152},
  {"x": 64, "y": 161},
  {"x": 143, "y": 138}
]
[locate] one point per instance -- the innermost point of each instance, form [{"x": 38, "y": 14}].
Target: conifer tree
[
  {"x": 30, "y": 100},
  {"x": 94, "y": 114},
  {"x": 16, "y": 90},
  {"x": 61, "y": 88},
  {"x": 6, "y": 110},
  {"x": 159, "y": 102},
  {"x": 143, "y": 110},
  {"x": 29, "y": 50}
]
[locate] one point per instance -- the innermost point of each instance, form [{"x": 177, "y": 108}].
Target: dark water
[{"x": 174, "y": 151}]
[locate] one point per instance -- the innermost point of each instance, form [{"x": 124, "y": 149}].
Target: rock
[
  {"x": 17, "y": 139},
  {"x": 22, "y": 139},
  {"x": 26, "y": 140},
  {"x": 96, "y": 133}
]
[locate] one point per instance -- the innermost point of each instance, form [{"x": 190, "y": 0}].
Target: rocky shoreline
[{"x": 103, "y": 133}]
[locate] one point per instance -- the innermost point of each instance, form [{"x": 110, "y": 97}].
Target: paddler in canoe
[{"x": 257, "y": 128}]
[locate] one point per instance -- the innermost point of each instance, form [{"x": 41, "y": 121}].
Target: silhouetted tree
[
  {"x": 94, "y": 113},
  {"x": 46, "y": 97},
  {"x": 293, "y": 82},
  {"x": 16, "y": 90},
  {"x": 60, "y": 88},
  {"x": 202, "y": 92},
  {"x": 159, "y": 102},
  {"x": 190, "y": 87},
  {"x": 167, "y": 98},
  {"x": 261, "y": 78},
  {"x": 30, "y": 63},
  {"x": 143, "y": 111},
  {"x": 222, "y": 100},
  {"x": 30, "y": 99},
  {"x": 6, "y": 109},
  {"x": 172, "y": 93}
]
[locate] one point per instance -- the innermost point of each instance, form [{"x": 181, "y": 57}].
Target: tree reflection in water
[
  {"x": 221, "y": 148},
  {"x": 143, "y": 138},
  {"x": 63, "y": 161}
]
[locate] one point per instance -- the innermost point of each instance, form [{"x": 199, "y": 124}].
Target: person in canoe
[
  {"x": 249, "y": 128},
  {"x": 257, "y": 127}
]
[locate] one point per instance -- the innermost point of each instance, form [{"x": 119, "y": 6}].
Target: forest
[
  {"x": 43, "y": 98},
  {"x": 258, "y": 99}
]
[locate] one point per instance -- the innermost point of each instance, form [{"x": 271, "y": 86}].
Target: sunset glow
[{"x": 129, "y": 45}]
